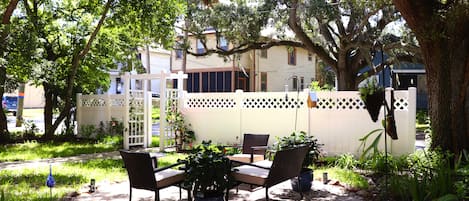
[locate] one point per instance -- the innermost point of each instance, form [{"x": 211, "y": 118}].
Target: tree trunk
[
  {"x": 444, "y": 43},
  {"x": 48, "y": 112},
  {"x": 447, "y": 75},
  {"x": 3, "y": 117},
  {"x": 345, "y": 76}
]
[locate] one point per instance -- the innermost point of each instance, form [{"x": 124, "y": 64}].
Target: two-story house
[
  {"x": 256, "y": 70},
  {"x": 154, "y": 60}
]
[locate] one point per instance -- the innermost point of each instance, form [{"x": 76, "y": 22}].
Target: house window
[
  {"x": 310, "y": 56},
  {"x": 263, "y": 81},
  {"x": 223, "y": 43},
  {"x": 264, "y": 53},
  {"x": 209, "y": 82},
  {"x": 291, "y": 56},
  {"x": 302, "y": 83},
  {"x": 178, "y": 54},
  {"x": 200, "y": 47},
  {"x": 295, "y": 83}
]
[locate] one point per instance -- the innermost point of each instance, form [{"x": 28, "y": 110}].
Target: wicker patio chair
[
  {"x": 286, "y": 165},
  {"x": 254, "y": 147},
  {"x": 144, "y": 174}
]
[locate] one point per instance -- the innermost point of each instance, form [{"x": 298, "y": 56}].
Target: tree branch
[
  {"x": 9, "y": 11},
  {"x": 303, "y": 37},
  {"x": 77, "y": 57},
  {"x": 242, "y": 48},
  {"x": 362, "y": 25},
  {"x": 96, "y": 30},
  {"x": 416, "y": 12}
]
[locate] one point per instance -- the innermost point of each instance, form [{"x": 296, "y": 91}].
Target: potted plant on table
[
  {"x": 208, "y": 172},
  {"x": 373, "y": 96},
  {"x": 303, "y": 183}
]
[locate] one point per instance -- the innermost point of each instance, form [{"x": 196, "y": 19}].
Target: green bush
[
  {"x": 346, "y": 161},
  {"x": 422, "y": 116},
  {"x": 430, "y": 177},
  {"x": 155, "y": 141},
  {"x": 377, "y": 163}
]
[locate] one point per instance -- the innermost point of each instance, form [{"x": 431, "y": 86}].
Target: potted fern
[{"x": 373, "y": 96}]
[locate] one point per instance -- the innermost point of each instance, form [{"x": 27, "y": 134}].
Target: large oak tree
[
  {"x": 340, "y": 33},
  {"x": 442, "y": 31}
]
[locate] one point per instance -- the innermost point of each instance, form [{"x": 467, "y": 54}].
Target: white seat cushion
[
  {"x": 246, "y": 158},
  {"x": 252, "y": 175},
  {"x": 169, "y": 177},
  {"x": 263, "y": 163}
]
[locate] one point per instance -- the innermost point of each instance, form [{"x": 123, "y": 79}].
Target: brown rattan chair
[
  {"x": 254, "y": 147},
  {"x": 286, "y": 165},
  {"x": 143, "y": 173}
]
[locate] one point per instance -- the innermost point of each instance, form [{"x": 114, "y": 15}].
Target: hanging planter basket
[{"x": 373, "y": 103}]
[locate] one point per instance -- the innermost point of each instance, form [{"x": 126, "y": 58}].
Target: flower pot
[
  {"x": 373, "y": 104},
  {"x": 304, "y": 185}
]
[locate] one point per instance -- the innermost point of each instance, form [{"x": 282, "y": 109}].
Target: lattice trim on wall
[
  {"x": 401, "y": 104},
  {"x": 118, "y": 102},
  {"x": 350, "y": 104},
  {"x": 344, "y": 103},
  {"x": 272, "y": 103},
  {"x": 94, "y": 102},
  {"x": 326, "y": 103},
  {"x": 211, "y": 103}
]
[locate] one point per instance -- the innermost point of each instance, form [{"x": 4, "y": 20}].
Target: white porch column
[
  {"x": 162, "y": 109},
  {"x": 146, "y": 112}
]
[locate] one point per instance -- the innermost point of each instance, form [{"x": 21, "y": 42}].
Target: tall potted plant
[
  {"x": 303, "y": 183},
  {"x": 208, "y": 172},
  {"x": 373, "y": 96}
]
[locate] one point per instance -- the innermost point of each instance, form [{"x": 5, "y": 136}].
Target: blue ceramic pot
[{"x": 305, "y": 183}]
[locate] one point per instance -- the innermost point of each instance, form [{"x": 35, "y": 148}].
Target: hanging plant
[{"x": 373, "y": 96}]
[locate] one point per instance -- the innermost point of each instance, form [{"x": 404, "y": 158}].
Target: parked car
[{"x": 10, "y": 104}]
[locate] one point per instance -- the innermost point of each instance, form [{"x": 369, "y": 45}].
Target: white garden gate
[{"x": 138, "y": 108}]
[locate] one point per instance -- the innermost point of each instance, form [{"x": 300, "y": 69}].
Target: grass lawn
[
  {"x": 345, "y": 176},
  {"x": 155, "y": 114},
  {"x": 34, "y": 150},
  {"x": 29, "y": 183}
]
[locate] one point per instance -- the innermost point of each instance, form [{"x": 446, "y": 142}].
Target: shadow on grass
[
  {"x": 32, "y": 185},
  {"x": 36, "y": 150}
]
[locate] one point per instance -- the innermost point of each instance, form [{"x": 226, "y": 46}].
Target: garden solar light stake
[{"x": 50, "y": 182}]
